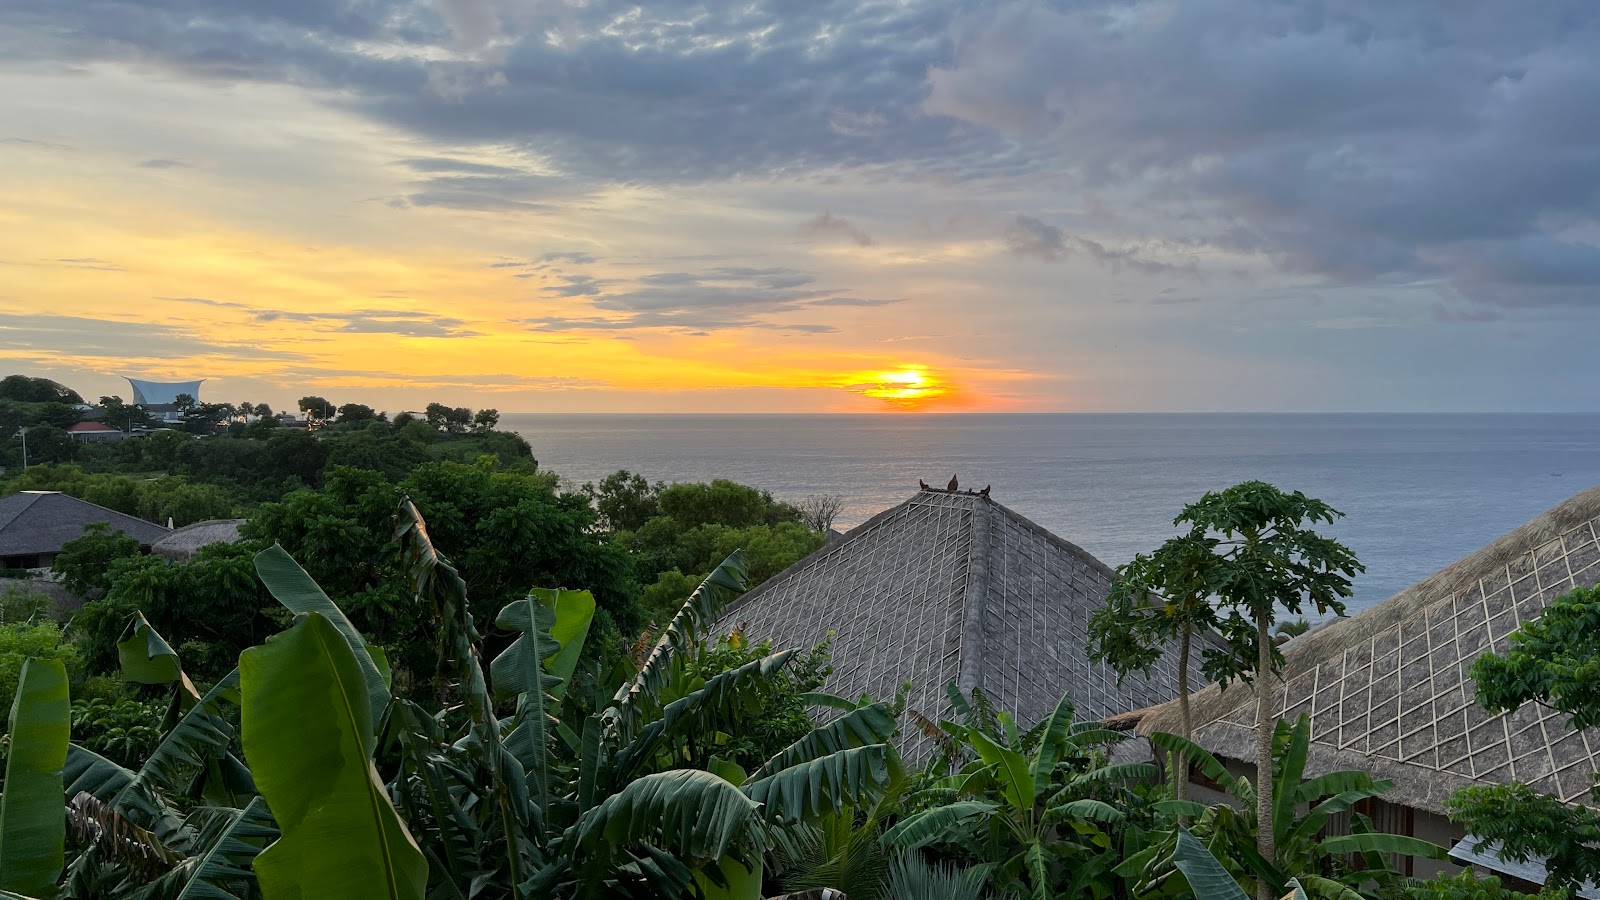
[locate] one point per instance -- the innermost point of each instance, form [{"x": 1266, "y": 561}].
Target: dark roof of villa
[
  {"x": 41, "y": 521},
  {"x": 952, "y": 587},
  {"x": 1389, "y": 690}
]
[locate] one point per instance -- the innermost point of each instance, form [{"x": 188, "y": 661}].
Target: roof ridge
[
  {"x": 32, "y": 498},
  {"x": 975, "y": 597},
  {"x": 1082, "y": 554},
  {"x": 108, "y": 509},
  {"x": 854, "y": 535}
]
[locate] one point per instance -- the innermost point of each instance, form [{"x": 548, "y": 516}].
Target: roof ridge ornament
[{"x": 953, "y": 488}]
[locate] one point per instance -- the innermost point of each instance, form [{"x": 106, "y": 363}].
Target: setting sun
[{"x": 910, "y": 386}]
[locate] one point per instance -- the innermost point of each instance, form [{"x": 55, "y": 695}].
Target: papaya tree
[
  {"x": 1268, "y": 560},
  {"x": 1158, "y": 600}
]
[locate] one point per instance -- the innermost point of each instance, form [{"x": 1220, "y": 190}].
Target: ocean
[{"x": 1418, "y": 491}]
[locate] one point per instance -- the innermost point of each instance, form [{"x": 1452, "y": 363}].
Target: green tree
[
  {"x": 24, "y": 389},
  {"x": 356, "y": 413},
  {"x": 22, "y": 641},
  {"x": 184, "y": 402},
  {"x": 184, "y": 503},
  {"x": 49, "y": 444},
  {"x": 624, "y": 501},
  {"x": 1156, "y": 600},
  {"x": 722, "y": 502},
  {"x": 1267, "y": 560},
  {"x": 317, "y": 408},
  {"x": 437, "y": 415},
  {"x": 485, "y": 420},
  {"x": 210, "y": 606},
  {"x": 84, "y": 564},
  {"x": 1554, "y": 661}
]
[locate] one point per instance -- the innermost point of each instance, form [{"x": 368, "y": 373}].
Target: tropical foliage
[{"x": 351, "y": 791}]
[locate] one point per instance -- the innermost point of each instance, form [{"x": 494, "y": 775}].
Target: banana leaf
[
  {"x": 1011, "y": 770},
  {"x": 308, "y": 733},
  {"x": 941, "y": 823},
  {"x": 1051, "y": 743},
  {"x": 1206, "y": 876},
  {"x": 1291, "y": 766},
  {"x": 574, "y": 613},
  {"x": 519, "y": 671},
  {"x": 864, "y": 725},
  {"x": 691, "y": 813},
  {"x": 1383, "y": 843},
  {"x": 725, "y": 583},
  {"x": 33, "y": 824},
  {"x": 295, "y": 589},
  {"x": 218, "y": 867},
  {"x": 805, "y": 792}
]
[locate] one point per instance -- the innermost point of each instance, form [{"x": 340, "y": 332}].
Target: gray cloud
[
  {"x": 696, "y": 303},
  {"x": 575, "y": 286},
  {"x": 114, "y": 339},
  {"x": 1027, "y": 236},
  {"x": 826, "y": 224},
  {"x": 1411, "y": 143},
  {"x": 163, "y": 164},
  {"x": 367, "y": 321}
]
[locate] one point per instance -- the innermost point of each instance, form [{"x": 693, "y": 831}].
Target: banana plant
[
  {"x": 1035, "y": 801},
  {"x": 307, "y": 731},
  {"x": 1301, "y": 850},
  {"x": 32, "y": 823},
  {"x": 530, "y": 806}
]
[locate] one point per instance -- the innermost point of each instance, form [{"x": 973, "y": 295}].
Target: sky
[{"x": 807, "y": 205}]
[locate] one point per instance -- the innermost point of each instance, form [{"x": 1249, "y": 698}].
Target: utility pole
[{"x": 23, "y": 433}]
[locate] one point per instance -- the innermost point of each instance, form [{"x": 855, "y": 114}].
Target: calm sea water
[{"x": 1419, "y": 491}]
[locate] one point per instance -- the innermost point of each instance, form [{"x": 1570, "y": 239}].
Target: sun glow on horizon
[{"x": 909, "y": 387}]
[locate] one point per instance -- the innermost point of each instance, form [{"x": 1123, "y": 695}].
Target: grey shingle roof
[
  {"x": 1389, "y": 689},
  {"x": 952, "y": 588},
  {"x": 41, "y": 521}
]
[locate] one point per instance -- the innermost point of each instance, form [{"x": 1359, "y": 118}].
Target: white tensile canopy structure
[{"x": 163, "y": 393}]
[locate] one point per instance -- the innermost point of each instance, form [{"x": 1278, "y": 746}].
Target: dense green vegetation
[{"x": 431, "y": 672}]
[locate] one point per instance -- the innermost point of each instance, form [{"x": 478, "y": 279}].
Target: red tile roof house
[{"x": 94, "y": 431}]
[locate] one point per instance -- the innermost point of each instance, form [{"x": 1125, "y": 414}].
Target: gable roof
[
  {"x": 41, "y": 521},
  {"x": 951, "y": 587},
  {"x": 1389, "y": 690}
]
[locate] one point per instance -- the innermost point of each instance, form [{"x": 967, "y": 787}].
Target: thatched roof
[
  {"x": 34, "y": 522},
  {"x": 184, "y": 542},
  {"x": 1388, "y": 690},
  {"x": 951, "y": 587}
]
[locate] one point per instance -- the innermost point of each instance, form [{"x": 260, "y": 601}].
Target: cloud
[
  {"x": 163, "y": 164},
  {"x": 89, "y": 262},
  {"x": 1425, "y": 143},
  {"x": 826, "y": 224},
  {"x": 1416, "y": 143},
  {"x": 1027, "y": 236},
  {"x": 57, "y": 336},
  {"x": 407, "y": 323},
  {"x": 719, "y": 298},
  {"x": 576, "y": 286}
]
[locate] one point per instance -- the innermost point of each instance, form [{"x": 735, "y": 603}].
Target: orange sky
[{"x": 758, "y": 207}]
